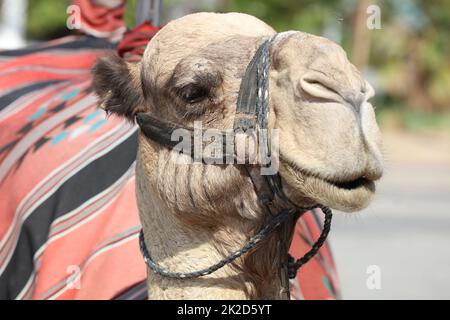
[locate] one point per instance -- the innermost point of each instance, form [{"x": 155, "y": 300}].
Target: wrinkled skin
[{"x": 194, "y": 214}]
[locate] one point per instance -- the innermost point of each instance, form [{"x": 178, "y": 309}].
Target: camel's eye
[{"x": 193, "y": 93}]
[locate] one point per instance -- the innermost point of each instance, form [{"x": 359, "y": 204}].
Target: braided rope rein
[{"x": 293, "y": 265}]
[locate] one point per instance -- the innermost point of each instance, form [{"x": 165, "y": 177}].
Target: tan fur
[{"x": 194, "y": 215}]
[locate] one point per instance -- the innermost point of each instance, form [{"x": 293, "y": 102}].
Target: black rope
[
  {"x": 294, "y": 265},
  {"x": 252, "y": 243}
]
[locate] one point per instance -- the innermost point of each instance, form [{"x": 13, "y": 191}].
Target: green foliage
[
  {"x": 308, "y": 15},
  {"x": 130, "y": 13},
  {"x": 409, "y": 57},
  {"x": 46, "y": 19},
  {"x": 405, "y": 118}
]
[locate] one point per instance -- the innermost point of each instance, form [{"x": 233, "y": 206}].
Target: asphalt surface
[{"x": 405, "y": 234}]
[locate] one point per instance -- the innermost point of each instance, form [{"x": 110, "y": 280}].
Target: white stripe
[
  {"x": 24, "y": 290},
  {"x": 10, "y": 89},
  {"x": 282, "y": 35},
  {"x": 68, "y": 51},
  {"x": 54, "y": 70},
  {"x": 114, "y": 35},
  {"x": 295, "y": 284},
  {"x": 78, "y": 131}
]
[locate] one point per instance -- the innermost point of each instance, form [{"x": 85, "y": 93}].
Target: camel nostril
[
  {"x": 363, "y": 88},
  {"x": 358, "y": 101},
  {"x": 354, "y": 99},
  {"x": 369, "y": 92},
  {"x": 319, "y": 89}
]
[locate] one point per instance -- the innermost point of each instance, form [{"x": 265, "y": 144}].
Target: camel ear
[{"x": 117, "y": 84}]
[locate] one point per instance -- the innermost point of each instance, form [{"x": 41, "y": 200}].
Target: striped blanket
[{"x": 68, "y": 216}]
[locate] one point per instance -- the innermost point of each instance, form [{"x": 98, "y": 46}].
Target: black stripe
[
  {"x": 132, "y": 290},
  {"x": 12, "y": 96},
  {"x": 89, "y": 181},
  {"x": 87, "y": 42}
]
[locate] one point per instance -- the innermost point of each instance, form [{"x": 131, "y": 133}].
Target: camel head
[
  {"x": 193, "y": 213},
  {"x": 191, "y": 71}
]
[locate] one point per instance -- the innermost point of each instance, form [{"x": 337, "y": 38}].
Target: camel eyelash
[
  {"x": 193, "y": 93},
  {"x": 190, "y": 102}
]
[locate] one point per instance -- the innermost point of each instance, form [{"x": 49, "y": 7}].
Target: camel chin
[{"x": 348, "y": 194}]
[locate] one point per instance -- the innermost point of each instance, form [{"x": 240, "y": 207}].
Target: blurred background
[{"x": 398, "y": 248}]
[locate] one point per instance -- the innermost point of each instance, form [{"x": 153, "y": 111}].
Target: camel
[{"x": 195, "y": 214}]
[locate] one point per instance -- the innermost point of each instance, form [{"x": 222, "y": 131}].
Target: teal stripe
[
  {"x": 97, "y": 125},
  {"x": 328, "y": 285},
  {"x": 91, "y": 116},
  {"x": 60, "y": 136},
  {"x": 38, "y": 113},
  {"x": 70, "y": 95}
]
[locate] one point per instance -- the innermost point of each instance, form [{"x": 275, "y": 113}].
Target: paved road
[{"x": 405, "y": 232}]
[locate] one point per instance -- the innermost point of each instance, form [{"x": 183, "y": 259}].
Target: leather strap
[{"x": 248, "y": 105}]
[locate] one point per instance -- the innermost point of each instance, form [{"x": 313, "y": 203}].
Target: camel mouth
[
  {"x": 349, "y": 194},
  {"x": 344, "y": 187},
  {"x": 350, "y": 184}
]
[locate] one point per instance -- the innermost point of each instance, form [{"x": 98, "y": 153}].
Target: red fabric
[
  {"x": 317, "y": 279},
  {"x": 100, "y": 236},
  {"x": 102, "y": 20},
  {"x": 134, "y": 42}
]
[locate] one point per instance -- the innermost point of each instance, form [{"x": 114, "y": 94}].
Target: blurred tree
[
  {"x": 361, "y": 37},
  {"x": 408, "y": 58},
  {"x": 46, "y": 19},
  {"x": 410, "y": 54}
]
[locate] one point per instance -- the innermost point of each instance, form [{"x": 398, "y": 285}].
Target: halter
[{"x": 252, "y": 113}]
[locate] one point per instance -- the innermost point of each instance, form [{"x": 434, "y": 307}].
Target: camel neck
[
  {"x": 190, "y": 240},
  {"x": 179, "y": 248}
]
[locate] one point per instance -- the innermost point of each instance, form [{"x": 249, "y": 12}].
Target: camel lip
[
  {"x": 349, "y": 184},
  {"x": 360, "y": 182},
  {"x": 348, "y": 192}
]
